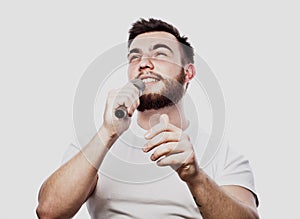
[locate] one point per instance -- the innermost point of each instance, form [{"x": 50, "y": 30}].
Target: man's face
[{"x": 155, "y": 58}]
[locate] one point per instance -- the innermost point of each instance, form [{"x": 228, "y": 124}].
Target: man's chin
[
  {"x": 154, "y": 102},
  {"x": 160, "y": 96}
]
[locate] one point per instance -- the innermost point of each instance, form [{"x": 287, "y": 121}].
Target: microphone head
[{"x": 139, "y": 84}]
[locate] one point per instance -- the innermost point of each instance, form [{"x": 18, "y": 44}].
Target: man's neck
[{"x": 149, "y": 118}]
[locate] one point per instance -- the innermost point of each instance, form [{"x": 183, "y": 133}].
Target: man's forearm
[
  {"x": 215, "y": 203},
  {"x": 64, "y": 192}
]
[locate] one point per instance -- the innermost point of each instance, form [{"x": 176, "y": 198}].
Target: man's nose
[{"x": 146, "y": 62}]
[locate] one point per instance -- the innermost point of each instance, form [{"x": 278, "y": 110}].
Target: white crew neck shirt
[{"x": 130, "y": 185}]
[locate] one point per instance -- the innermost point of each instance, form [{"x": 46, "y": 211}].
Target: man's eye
[
  {"x": 161, "y": 54},
  {"x": 133, "y": 58}
]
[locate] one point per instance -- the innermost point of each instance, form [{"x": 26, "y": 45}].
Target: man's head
[
  {"x": 162, "y": 59},
  {"x": 153, "y": 25}
]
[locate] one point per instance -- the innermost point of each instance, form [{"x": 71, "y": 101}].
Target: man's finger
[
  {"x": 162, "y": 126},
  {"x": 166, "y": 150},
  {"x": 177, "y": 160},
  {"x": 164, "y": 119},
  {"x": 161, "y": 138}
]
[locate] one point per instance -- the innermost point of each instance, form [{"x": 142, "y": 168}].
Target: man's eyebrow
[
  {"x": 135, "y": 50},
  {"x": 160, "y": 45},
  {"x": 156, "y": 46}
]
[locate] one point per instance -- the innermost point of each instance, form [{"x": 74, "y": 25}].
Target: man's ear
[{"x": 189, "y": 71}]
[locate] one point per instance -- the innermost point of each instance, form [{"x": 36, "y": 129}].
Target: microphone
[{"x": 121, "y": 111}]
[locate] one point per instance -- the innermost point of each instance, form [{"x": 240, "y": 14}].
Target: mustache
[{"x": 151, "y": 73}]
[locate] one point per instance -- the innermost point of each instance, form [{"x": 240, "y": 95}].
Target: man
[{"x": 173, "y": 185}]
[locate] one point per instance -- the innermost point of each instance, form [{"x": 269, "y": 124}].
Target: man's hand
[
  {"x": 172, "y": 148},
  {"x": 127, "y": 97}
]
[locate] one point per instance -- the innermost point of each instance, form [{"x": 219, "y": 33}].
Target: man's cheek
[{"x": 131, "y": 72}]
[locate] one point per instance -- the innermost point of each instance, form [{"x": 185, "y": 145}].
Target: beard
[{"x": 170, "y": 95}]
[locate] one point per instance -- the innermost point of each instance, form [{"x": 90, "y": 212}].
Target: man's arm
[
  {"x": 171, "y": 147},
  {"x": 64, "y": 192},
  {"x": 221, "y": 202}
]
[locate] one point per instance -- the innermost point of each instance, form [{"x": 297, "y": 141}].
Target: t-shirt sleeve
[{"x": 234, "y": 169}]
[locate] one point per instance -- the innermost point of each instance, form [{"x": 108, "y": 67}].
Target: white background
[{"x": 252, "y": 47}]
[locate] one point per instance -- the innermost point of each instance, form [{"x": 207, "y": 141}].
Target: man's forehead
[{"x": 149, "y": 39}]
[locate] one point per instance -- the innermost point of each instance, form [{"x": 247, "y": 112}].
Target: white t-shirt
[{"x": 130, "y": 185}]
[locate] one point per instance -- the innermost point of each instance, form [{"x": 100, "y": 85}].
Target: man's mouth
[{"x": 149, "y": 80}]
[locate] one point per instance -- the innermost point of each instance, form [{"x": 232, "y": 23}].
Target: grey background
[{"x": 252, "y": 47}]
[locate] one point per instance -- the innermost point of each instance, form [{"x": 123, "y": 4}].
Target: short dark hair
[{"x": 143, "y": 26}]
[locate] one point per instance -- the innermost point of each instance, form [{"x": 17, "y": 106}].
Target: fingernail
[
  {"x": 152, "y": 157},
  {"x": 145, "y": 149},
  {"x": 147, "y": 135}
]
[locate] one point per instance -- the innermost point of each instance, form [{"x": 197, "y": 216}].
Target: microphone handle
[{"x": 121, "y": 112}]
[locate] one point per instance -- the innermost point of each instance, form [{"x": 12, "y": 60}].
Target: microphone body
[{"x": 121, "y": 112}]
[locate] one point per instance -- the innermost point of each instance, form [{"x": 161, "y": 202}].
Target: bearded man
[{"x": 156, "y": 172}]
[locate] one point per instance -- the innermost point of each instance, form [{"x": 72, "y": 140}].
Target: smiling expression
[{"x": 155, "y": 58}]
